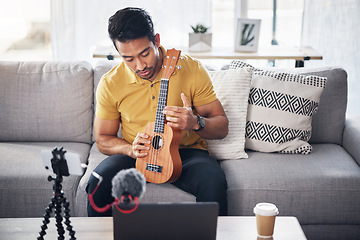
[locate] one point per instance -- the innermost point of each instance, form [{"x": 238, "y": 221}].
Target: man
[{"x": 128, "y": 95}]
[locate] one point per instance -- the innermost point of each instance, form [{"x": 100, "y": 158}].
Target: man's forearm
[
  {"x": 216, "y": 127},
  {"x": 111, "y": 145}
]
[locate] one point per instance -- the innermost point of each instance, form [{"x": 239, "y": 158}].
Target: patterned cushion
[
  {"x": 281, "y": 106},
  {"x": 232, "y": 89}
]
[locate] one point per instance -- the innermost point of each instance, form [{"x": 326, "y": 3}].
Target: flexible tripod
[{"x": 59, "y": 166}]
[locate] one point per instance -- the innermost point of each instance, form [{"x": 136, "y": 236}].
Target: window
[
  {"x": 288, "y": 20},
  {"x": 25, "y": 30},
  {"x": 25, "y": 24}
]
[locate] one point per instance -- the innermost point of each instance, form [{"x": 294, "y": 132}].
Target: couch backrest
[{"x": 46, "y": 101}]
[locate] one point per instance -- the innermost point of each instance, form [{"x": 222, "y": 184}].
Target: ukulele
[{"x": 163, "y": 162}]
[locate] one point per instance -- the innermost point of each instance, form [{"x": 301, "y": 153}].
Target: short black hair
[{"x": 129, "y": 24}]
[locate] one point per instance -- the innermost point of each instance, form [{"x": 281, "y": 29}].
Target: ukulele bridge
[{"x": 154, "y": 168}]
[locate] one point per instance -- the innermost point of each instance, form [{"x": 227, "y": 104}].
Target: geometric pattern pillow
[
  {"x": 232, "y": 88},
  {"x": 280, "y": 110}
]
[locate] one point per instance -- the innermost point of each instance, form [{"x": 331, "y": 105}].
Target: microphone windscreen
[{"x": 129, "y": 181}]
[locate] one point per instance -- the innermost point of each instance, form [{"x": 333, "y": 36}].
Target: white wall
[{"x": 332, "y": 27}]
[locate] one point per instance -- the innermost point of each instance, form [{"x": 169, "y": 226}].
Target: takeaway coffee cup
[{"x": 265, "y": 219}]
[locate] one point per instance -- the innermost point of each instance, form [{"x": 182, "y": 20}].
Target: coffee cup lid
[{"x": 266, "y": 209}]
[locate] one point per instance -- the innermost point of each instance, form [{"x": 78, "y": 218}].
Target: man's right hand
[
  {"x": 140, "y": 146},
  {"x": 109, "y": 143}
]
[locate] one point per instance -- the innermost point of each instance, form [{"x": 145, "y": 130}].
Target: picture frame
[{"x": 247, "y": 35}]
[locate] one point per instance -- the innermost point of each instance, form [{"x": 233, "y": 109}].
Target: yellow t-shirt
[{"x": 122, "y": 94}]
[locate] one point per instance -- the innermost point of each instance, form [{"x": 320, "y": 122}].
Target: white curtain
[
  {"x": 78, "y": 26},
  {"x": 63, "y": 29}
]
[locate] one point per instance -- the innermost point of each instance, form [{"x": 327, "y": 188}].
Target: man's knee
[{"x": 216, "y": 184}]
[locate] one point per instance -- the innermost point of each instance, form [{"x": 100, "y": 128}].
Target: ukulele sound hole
[{"x": 157, "y": 142}]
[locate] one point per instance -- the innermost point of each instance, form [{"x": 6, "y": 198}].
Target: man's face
[{"x": 142, "y": 56}]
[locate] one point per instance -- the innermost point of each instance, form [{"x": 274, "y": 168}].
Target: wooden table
[
  {"x": 102, "y": 228},
  {"x": 274, "y": 52}
]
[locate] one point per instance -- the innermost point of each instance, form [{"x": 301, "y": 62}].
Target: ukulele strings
[
  {"x": 157, "y": 145},
  {"x": 154, "y": 159}
]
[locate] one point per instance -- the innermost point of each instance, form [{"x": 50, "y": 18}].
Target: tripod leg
[
  {"x": 46, "y": 218},
  {"x": 67, "y": 219},
  {"x": 59, "y": 218}
]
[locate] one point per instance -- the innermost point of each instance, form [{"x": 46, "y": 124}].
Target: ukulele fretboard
[{"x": 160, "y": 117}]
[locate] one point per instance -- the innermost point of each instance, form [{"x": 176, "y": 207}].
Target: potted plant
[{"x": 200, "y": 39}]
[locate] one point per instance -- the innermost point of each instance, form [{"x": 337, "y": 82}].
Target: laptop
[{"x": 185, "y": 221}]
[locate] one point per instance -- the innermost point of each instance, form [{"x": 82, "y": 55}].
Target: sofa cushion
[
  {"x": 24, "y": 188},
  {"x": 46, "y": 101},
  {"x": 328, "y": 123},
  {"x": 281, "y": 106},
  {"x": 232, "y": 89},
  {"x": 305, "y": 186}
]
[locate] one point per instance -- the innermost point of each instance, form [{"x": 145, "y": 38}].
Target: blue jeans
[{"x": 201, "y": 176}]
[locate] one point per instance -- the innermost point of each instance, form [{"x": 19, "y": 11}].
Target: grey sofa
[{"x": 49, "y": 104}]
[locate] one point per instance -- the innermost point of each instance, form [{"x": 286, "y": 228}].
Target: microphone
[{"x": 127, "y": 187}]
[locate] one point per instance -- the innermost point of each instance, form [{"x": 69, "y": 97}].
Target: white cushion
[
  {"x": 281, "y": 106},
  {"x": 232, "y": 89}
]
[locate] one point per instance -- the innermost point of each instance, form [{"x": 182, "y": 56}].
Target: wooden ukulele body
[{"x": 163, "y": 162}]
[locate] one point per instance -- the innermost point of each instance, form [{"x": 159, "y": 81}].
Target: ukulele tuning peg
[
  {"x": 178, "y": 67},
  {"x": 182, "y": 58}
]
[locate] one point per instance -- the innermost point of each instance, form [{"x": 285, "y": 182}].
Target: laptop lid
[{"x": 173, "y": 221}]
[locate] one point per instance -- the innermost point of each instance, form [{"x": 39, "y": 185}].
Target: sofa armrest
[{"x": 351, "y": 137}]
